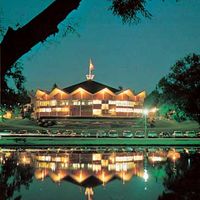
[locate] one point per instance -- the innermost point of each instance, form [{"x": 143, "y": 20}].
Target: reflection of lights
[
  {"x": 189, "y": 163},
  {"x": 124, "y": 158},
  {"x": 156, "y": 158},
  {"x": 173, "y": 154},
  {"x": 53, "y": 166},
  {"x": 146, "y": 175},
  {"x": 103, "y": 177},
  {"x": 104, "y": 163},
  {"x": 96, "y": 156},
  {"x": 2, "y": 160},
  {"x": 65, "y": 159},
  {"x": 25, "y": 160},
  {"x": 89, "y": 192},
  {"x": 186, "y": 150},
  {"x": 138, "y": 157},
  {"x": 7, "y": 154},
  {"x": 80, "y": 176}
]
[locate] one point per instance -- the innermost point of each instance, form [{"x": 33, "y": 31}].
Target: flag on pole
[{"x": 91, "y": 65}]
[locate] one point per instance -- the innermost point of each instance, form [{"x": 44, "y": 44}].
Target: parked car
[
  {"x": 152, "y": 134},
  {"x": 139, "y": 134},
  {"x": 6, "y": 132},
  {"x": 35, "y": 131},
  {"x": 113, "y": 133},
  {"x": 69, "y": 133},
  {"x": 47, "y": 132},
  {"x": 164, "y": 134},
  {"x": 177, "y": 134},
  {"x": 73, "y": 134},
  {"x": 22, "y": 132},
  {"x": 127, "y": 134},
  {"x": 190, "y": 134},
  {"x": 85, "y": 134},
  {"x": 101, "y": 133},
  {"x": 198, "y": 134}
]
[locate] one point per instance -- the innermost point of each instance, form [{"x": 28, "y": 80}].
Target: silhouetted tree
[
  {"x": 183, "y": 179},
  {"x": 54, "y": 86},
  {"x": 180, "y": 89},
  {"x": 12, "y": 95},
  {"x": 182, "y": 86}
]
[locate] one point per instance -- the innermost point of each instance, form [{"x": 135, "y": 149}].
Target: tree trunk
[{"x": 18, "y": 42}]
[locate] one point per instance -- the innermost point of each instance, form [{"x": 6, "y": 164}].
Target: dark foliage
[
  {"x": 181, "y": 87},
  {"x": 12, "y": 95},
  {"x": 12, "y": 177},
  {"x": 130, "y": 10},
  {"x": 183, "y": 179}
]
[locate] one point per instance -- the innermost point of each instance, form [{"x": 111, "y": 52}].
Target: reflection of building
[
  {"x": 88, "y": 99},
  {"x": 89, "y": 169}
]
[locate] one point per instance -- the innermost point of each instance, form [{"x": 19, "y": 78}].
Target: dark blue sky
[{"x": 132, "y": 56}]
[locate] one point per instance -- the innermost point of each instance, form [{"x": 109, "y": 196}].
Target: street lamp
[{"x": 145, "y": 112}]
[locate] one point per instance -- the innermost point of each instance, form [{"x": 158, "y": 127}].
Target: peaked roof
[{"x": 90, "y": 86}]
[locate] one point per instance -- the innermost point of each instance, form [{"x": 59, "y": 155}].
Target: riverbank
[{"x": 61, "y": 141}]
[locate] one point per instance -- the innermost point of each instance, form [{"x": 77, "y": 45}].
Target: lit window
[
  {"x": 56, "y": 109},
  {"x": 96, "y": 111},
  {"x": 96, "y": 101},
  {"x": 90, "y": 102},
  {"x": 53, "y": 103},
  {"x": 66, "y": 109},
  {"x": 125, "y": 103},
  {"x": 76, "y": 103},
  {"x": 137, "y": 110},
  {"x": 63, "y": 103},
  {"x": 44, "y": 109},
  {"x": 124, "y": 110},
  {"x": 112, "y": 102},
  {"x": 104, "y": 106},
  {"x": 44, "y": 103}
]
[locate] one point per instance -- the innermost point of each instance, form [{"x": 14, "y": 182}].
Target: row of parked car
[{"x": 111, "y": 133}]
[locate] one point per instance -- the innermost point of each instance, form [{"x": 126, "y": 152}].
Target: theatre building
[{"x": 88, "y": 99}]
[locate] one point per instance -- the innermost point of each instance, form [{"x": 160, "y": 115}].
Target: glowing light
[
  {"x": 145, "y": 111},
  {"x": 146, "y": 175},
  {"x": 8, "y": 115},
  {"x": 153, "y": 110},
  {"x": 173, "y": 154},
  {"x": 89, "y": 192}
]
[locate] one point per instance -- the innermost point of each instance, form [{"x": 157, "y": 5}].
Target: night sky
[{"x": 134, "y": 56}]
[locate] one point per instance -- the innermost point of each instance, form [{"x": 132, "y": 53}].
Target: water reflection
[{"x": 89, "y": 168}]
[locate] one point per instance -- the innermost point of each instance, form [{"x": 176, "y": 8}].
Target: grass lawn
[{"x": 99, "y": 124}]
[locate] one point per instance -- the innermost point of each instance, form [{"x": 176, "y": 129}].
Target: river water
[{"x": 99, "y": 173}]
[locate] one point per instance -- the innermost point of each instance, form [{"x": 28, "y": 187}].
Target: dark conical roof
[{"x": 90, "y": 86}]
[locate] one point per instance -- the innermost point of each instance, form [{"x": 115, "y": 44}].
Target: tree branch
[{"x": 18, "y": 42}]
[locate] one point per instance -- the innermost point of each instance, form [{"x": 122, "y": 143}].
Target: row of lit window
[
  {"x": 85, "y": 102},
  {"x": 58, "y": 109},
  {"x": 122, "y": 103},
  {"x": 65, "y": 102},
  {"x": 95, "y": 111}
]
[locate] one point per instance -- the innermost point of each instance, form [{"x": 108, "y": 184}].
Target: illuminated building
[{"x": 88, "y": 99}]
